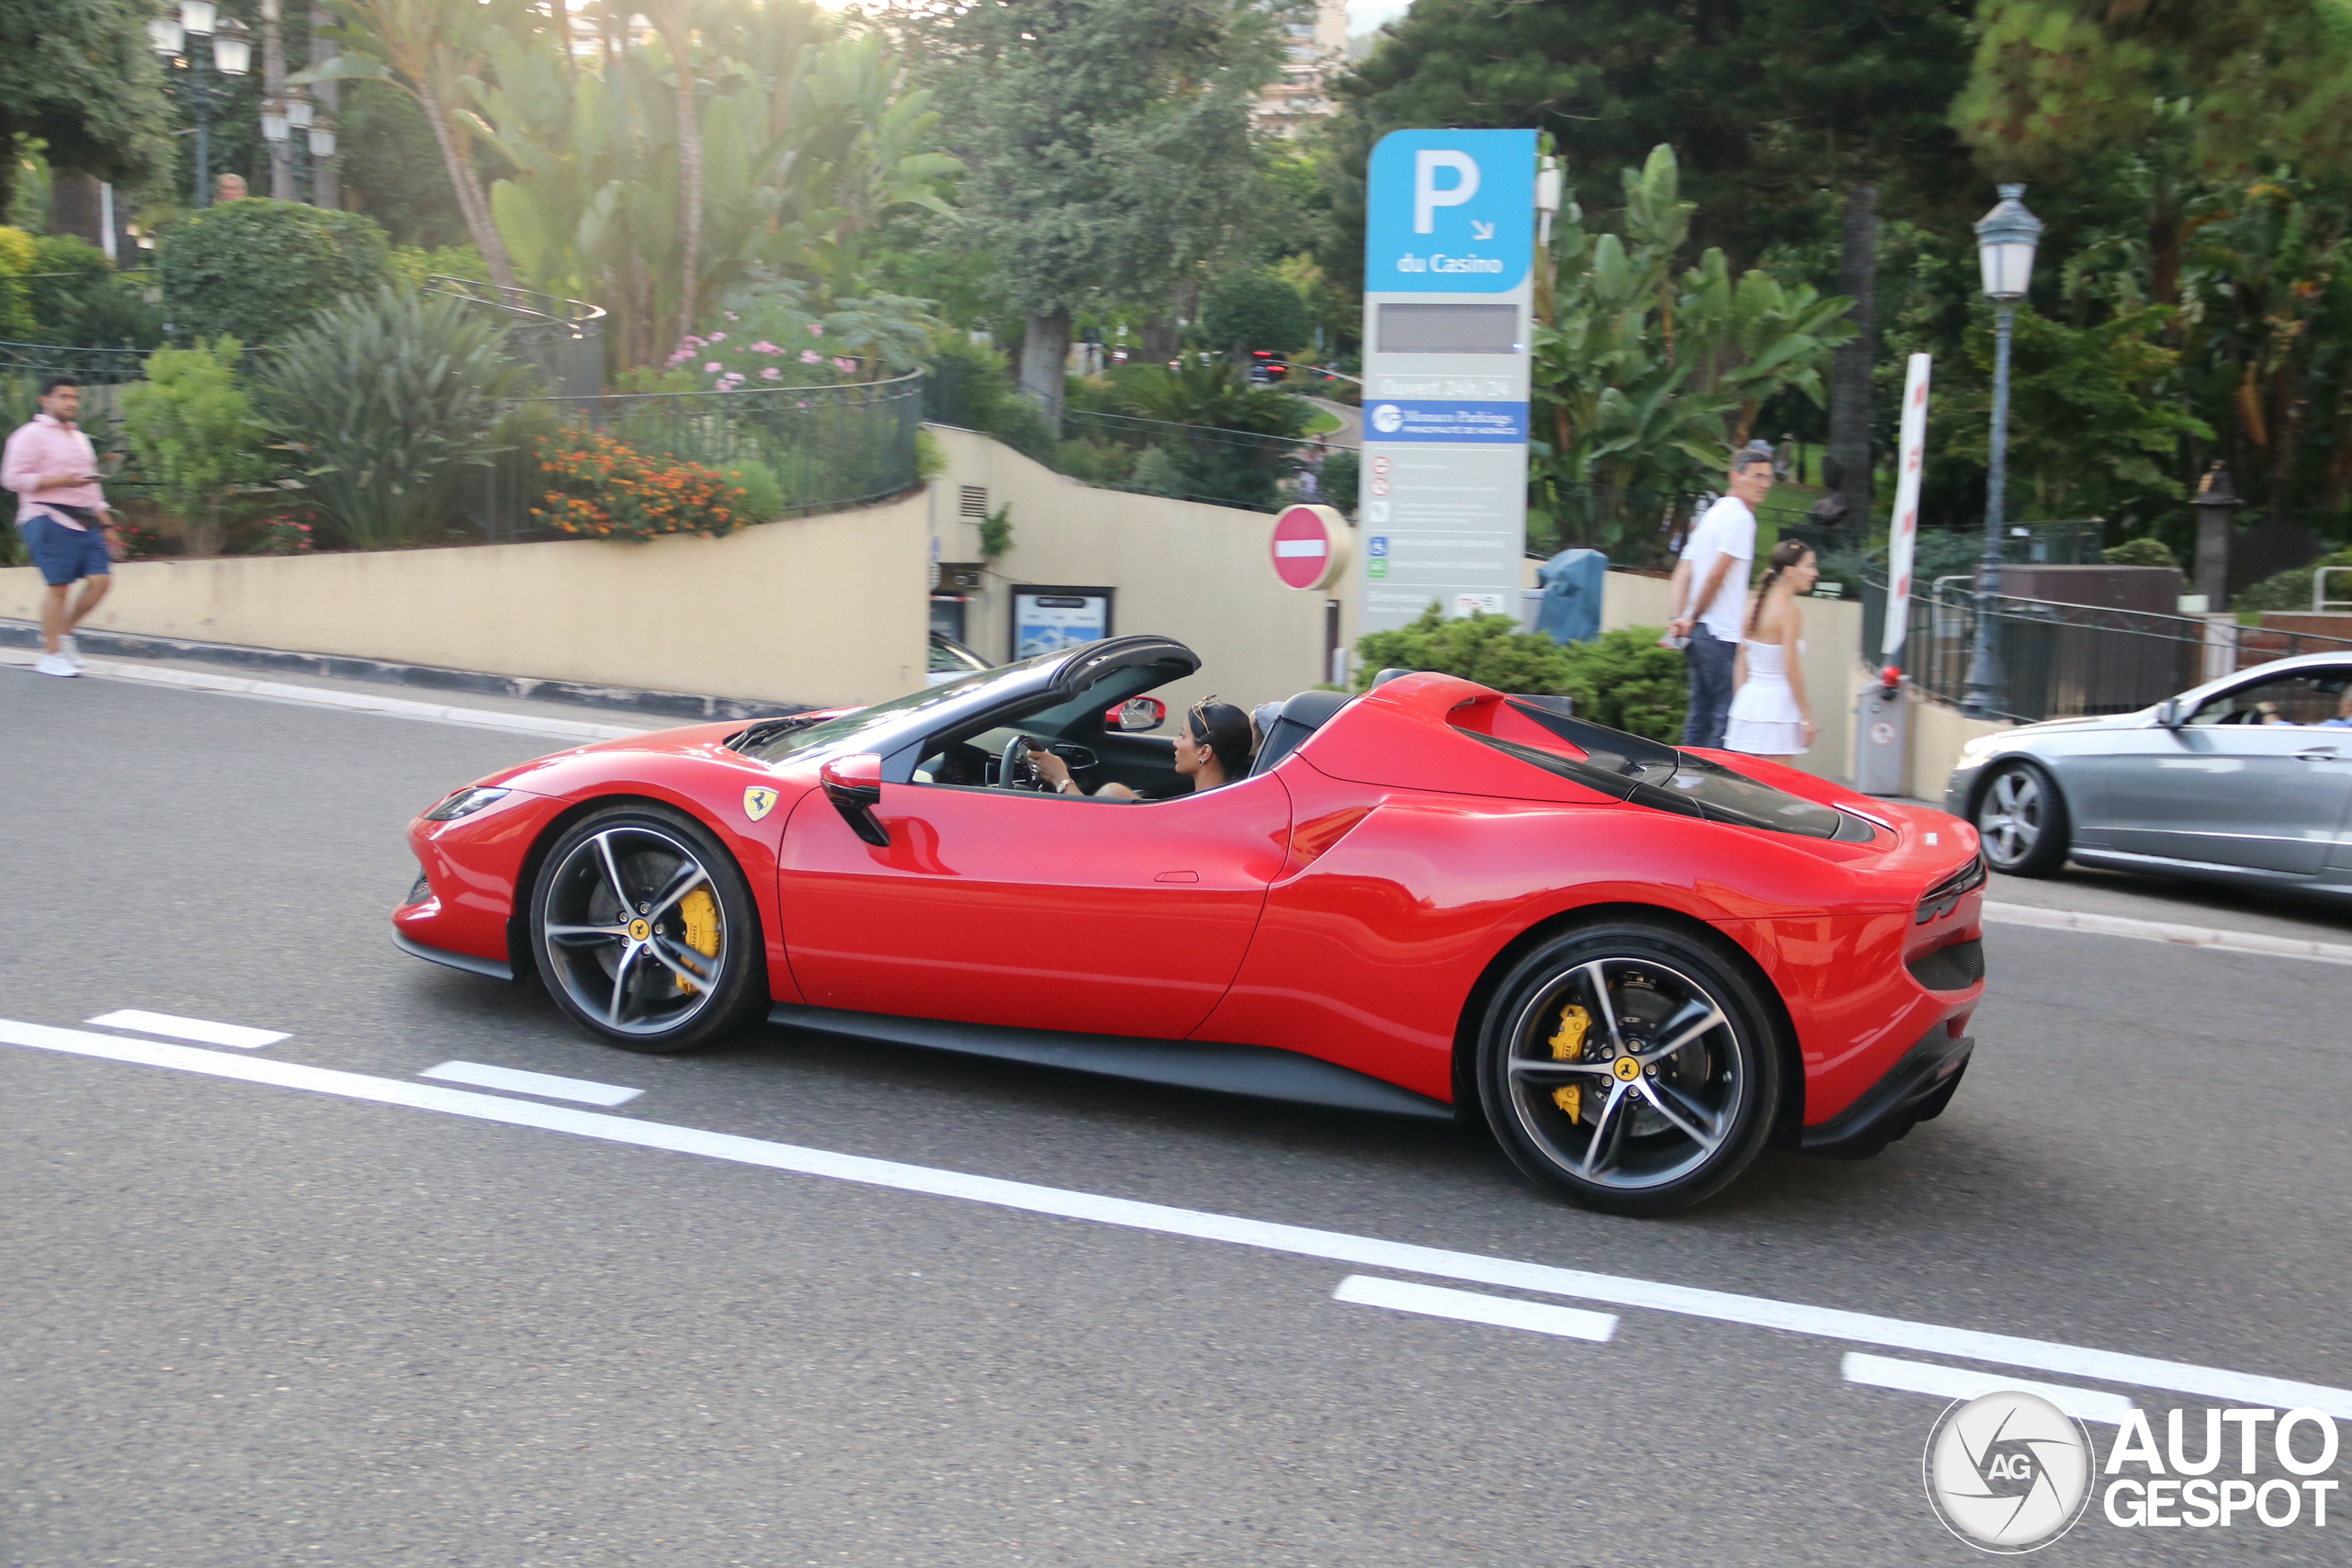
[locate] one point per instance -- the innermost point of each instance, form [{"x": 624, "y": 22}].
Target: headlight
[
  {"x": 1974, "y": 751},
  {"x": 465, "y": 803}
]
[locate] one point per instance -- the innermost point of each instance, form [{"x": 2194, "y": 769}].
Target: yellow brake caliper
[
  {"x": 699, "y": 911},
  {"x": 1568, "y": 1045}
]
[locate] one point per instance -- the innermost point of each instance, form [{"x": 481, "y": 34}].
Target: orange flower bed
[{"x": 602, "y": 488}]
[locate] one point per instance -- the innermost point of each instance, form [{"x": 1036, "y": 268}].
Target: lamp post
[
  {"x": 231, "y": 54},
  {"x": 2006, "y": 238},
  {"x": 2214, "y": 500}
]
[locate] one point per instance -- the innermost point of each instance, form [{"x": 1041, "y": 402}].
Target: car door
[
  {"x": 1009, "y": 907},
  {"x": 2252, "y": 780}
]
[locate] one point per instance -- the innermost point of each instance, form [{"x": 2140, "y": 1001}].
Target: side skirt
[{"x": 1260, "y": 1071}]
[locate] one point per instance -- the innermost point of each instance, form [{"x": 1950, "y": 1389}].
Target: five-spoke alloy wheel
[
  {"x": 2021, "y": 819},
  {"x": 644, "y": 930},
  {"x": 1629, "y": 1067}
]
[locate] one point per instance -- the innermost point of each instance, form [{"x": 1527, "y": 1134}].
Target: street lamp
[
  {"x": 2006, "y": 238},
  {"x": 231, "y": 54}
]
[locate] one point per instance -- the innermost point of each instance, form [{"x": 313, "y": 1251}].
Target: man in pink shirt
[{"x": 61, "y": 516}]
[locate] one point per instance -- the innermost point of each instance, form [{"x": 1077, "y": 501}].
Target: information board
[{"x": 1449, "y": 244}]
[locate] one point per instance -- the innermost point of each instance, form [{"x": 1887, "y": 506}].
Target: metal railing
[
  {"x": 2064, "y": 661},
  {"x": 564, "y": 338},
  {"x": 1239, "y": 468},
  {"x": 826, "y": 447}
]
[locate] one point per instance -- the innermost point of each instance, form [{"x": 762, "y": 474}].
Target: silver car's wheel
[
  {"x": 645, "y": 934},
  {"x": 2022, "y": 821}
]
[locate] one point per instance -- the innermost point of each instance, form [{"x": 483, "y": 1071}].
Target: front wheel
[
  {"x": 1629, "y": 1067},
  {"x": 644, "y": 930},
  {"x": 2021, "y": 819}
]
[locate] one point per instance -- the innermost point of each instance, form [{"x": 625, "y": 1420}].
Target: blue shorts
[{"x": 65, "y": 555}]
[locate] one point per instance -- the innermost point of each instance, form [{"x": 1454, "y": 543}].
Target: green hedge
[
  {"x": 258, "y": 269},
  {"x": 1621, "y": 679}
]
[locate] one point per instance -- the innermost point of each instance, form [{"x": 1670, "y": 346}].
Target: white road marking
[
  {"x": 2162, "y": 931},
  {"x": 350, "y": 702},
  {"x": 200, "y": 1029},
  {"x": 1468, "y": 1306},
  {"x": 1967, "y": 1383},
  {"x": 1300, "y": 1241},
  {"x": 584, "y": 1090}
]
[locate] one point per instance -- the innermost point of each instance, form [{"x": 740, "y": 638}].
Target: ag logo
[
  {"x": 2008, "y": 1472},
  {"x": 758, "y": 801},
  {"x": 1387, "y": 419}
]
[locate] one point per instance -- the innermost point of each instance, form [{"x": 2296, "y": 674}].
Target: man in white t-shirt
[{"x": 1710, "y": 595}]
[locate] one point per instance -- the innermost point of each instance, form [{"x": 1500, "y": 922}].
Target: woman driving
[{"x": 1212, "y": 749}]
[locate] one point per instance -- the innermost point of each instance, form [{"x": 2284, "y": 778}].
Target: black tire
[
  {"x": 1673, "y": 1125},
  {"x": 681, "y": 966},
  {"x": 2022, "y": 819}
]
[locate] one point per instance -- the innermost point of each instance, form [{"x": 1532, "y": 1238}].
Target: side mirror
[
  {"x": 2172, "y": 713},
  {"x": 1135, "y": 714},
  {"x": 853, "y": 784}
]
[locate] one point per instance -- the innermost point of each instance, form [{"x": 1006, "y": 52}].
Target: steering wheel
[{"x": 1014, "y": 770}]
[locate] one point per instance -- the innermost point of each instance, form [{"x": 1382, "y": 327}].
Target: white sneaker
[
  {"x": 55, "y": 664},
  {"x": 70, "y": 651}
]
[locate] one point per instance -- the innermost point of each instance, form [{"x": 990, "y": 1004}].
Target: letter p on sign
[{"x": 1427, "y": 198}]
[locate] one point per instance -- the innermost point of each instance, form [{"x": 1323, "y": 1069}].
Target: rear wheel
[
  {"x": 1628, "y": 1067},
  {"x": 2021, "y": 819},
  {"x": 644, "y": 932}
]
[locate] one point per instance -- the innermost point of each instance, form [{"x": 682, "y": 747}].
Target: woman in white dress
[{"x": 1769, "y": 716}]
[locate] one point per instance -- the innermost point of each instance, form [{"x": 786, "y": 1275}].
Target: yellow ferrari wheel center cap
[
  {"x": 1628, "y": 1069},
  {"x": 639, "y": 930}
]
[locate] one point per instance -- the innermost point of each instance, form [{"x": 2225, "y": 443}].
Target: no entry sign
[{"x": 1310, "y": 546}]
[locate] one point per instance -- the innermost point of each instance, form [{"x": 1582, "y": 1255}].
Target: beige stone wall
[
  {"x": 1936, "y": 735},
  {"x": 828, "y": 609},
  {"x": 1202, "y": 575}
]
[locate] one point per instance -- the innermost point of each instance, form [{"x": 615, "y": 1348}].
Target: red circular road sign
[{"x": 1310, "y": 546}]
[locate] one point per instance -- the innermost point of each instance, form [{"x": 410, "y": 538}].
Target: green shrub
[
  {"x": 970, "y": 385},
  {"x": 2144, "y": 551},
  {"x": 930, "y": 455},
  {"x": 260, "y": 269},
  {"x": 763, "y": 499},
  {"x": 1489, "y": 649},
  {"x": 384, "y": 401},
  {"x": 2292, "y": 590},
  {"x": 1625, "y": 680},
  {"x": 411, "y": 265},
  {"x": 16, "y": 254},
  {"x": 192, "y": 429},
  {"x": 1341, "y": 478}
]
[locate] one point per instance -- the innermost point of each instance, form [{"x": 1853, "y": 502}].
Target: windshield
[{"x": 887, "y": 716}]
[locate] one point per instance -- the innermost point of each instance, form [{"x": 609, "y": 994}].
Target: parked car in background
[{"x": 2246, "y": 779}]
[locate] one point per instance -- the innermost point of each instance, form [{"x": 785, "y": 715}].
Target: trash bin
[{"x": 1882, "y": 735}]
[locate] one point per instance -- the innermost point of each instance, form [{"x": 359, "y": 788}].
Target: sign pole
[{"x": 1902, "y": 540}]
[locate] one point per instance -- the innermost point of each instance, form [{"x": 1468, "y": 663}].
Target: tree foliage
[
  {"x": 80, "y": 79},
  {"x": 1255, "y": 310},
  {"x": 191, "y": 428},
  {"x": 257, "y": 268}
]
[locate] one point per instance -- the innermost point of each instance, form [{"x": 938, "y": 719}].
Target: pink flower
[
  {"x": 816, "y": 329},
  {"x": 765, "y": 346},
  {"x": 718, "y": 337},
  {"x": 771, "y": 374},
  {"x": 713, "y": 369},
  {"x": 846, "y": 367},
  {"x": 679, "y": 359},
  {"x": 811, "y": 356},
  {"x": 694, "y": 343},
  {"x": 801, "y": 405},
  {"x": 732, "y": 316}
]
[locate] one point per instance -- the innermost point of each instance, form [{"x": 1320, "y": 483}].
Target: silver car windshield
[{"x": 887, "y": 717}]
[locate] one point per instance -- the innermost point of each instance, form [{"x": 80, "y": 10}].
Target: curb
[
  {"x": 349, "y": 701},
  {"x": 427, "y": 677},
  {"x": 2161, "y": 930}
]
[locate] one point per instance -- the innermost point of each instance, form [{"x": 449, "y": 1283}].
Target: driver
[{"x": 1213, "y": 751}]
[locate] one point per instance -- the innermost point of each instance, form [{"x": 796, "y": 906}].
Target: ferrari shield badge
[{"x": 758, "y": 801}]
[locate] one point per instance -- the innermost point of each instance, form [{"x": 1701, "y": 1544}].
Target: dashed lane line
[
  {"x": 1300, "y": 1241},
  {"x": 1966, "y": 1383},
  {"x": 202, "y": 1030},
  {"x": 545, "y": 1084}
]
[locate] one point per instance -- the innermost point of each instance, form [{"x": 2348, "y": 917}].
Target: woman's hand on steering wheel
[{"x": 1026, "y": 765}]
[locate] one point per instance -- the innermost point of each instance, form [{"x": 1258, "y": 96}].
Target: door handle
[
  {"x": 2322, "y": 754},
  {"x": 1177, "y": 877}
]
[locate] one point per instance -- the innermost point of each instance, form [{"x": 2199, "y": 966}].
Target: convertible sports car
[{"x": 1642, "y": 964}]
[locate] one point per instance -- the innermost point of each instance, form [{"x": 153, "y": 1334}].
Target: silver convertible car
[{"x": 2246, "y": 779}]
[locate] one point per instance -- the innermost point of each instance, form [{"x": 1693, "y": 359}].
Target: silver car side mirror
[{"x": 2172, "y": 713}]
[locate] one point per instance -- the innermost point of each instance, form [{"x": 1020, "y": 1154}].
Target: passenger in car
[{"x": 1212, "y": 749}]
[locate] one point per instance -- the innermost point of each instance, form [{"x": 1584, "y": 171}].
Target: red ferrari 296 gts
[{"x": 1641, "y": 964}]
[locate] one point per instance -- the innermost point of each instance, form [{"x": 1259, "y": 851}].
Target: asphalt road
[{"x": 256, "y": 1322}]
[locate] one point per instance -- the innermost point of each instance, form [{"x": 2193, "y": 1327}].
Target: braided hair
[{"x": 1785, "y": 553}]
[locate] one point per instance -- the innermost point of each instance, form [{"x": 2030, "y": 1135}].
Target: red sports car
[{"x": 1642, "y": 964}]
